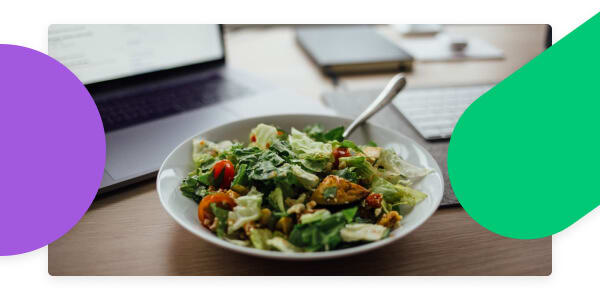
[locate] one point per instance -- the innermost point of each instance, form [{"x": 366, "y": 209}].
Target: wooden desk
[{"x": 129, "y": 233}]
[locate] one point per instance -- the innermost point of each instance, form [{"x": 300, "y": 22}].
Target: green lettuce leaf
[
  {"x": 283, "y": 149},
  {"x": 248, "y": 209},
  {"x": 204, "y": 150},
  {"x": 348, "y": 144},
  {"x": 363, "y": 232},
  {"x": 397, "y": 197},
  {"x": 348, "y": 173},
  {"x": 263, "y": 136},
  {"x": 282, "y": 245},
  {"x": 259, "y": 238},
  {"x": 397, "y": 170},
  {"x": 362, "y": 168},
  {"x": 306, "y": 179},
  {"x": 322, "y": 233},
  {"x": 314, "y": 155},
  {"x": 316, "y": 216}
]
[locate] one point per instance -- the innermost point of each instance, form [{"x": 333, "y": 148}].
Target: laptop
[{"x": 156, "y": 85}]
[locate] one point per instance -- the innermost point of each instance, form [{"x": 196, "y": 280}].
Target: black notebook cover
[{"x": 352, "y": 49}]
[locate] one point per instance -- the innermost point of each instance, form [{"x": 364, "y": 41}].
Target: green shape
[{"x": 523, "y": 157}]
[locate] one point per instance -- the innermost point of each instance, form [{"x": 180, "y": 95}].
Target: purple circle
[{"x": 52, "y": 152}]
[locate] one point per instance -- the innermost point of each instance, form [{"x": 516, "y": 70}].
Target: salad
[{"x": 300, "y": 191}]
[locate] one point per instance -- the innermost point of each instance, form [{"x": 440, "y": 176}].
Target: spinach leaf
[
  {"x": 271, "y": 157},
  {"x": 316, "y": 132},
  {"x": 262, "y": 171},
  {"x": 282, "y": 148},
  {"x": 322, "y": 235},
  {"x": 195, "y": 185},
  {"x": 245, "y": 155},
  {"x": 362, "y": 167},
  {"x": 330, "y": 230},
  {"x": 330, "y": 192},
  {"x": 207, "y": 164},
  {"x": 348, "y": 173},
  {"x": 241, "y": 177},
  {"x": 349, "y": 213},
  {"x": 189, "y": 192},
  {"x": 350, "y": 144},
  {"x": 287, "y": 181},
  {"x": 334, "y": 134},
  {"x": 276, "y": 200}
]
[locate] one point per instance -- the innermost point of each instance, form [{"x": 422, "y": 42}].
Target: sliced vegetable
[{"x": 221, "y": 199}]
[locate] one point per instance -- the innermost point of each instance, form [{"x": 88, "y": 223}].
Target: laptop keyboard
[
  {"x": 435, "y": 111},
  {"x": 124, "y": 111}
]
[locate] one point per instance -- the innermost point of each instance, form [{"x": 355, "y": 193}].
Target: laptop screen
[{"x": 97, "y": 53}]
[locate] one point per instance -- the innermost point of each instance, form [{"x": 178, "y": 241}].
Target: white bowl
[{"x": 179, "y": 163}]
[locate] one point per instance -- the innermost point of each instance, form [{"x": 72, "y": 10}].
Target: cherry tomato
[
  {"x": 374, "y": 200},
  {"x": 338, "y": 153},
  {"x": 227, "y": 168},
  {"x": 205, "y": 214}
]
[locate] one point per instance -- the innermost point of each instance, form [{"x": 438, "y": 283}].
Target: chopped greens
[
  {"x": 287, "y": 192},
  {"x": 330, "y": 192}
]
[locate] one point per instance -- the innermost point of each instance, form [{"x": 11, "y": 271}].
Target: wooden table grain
[{"x": 127, "y": 232}]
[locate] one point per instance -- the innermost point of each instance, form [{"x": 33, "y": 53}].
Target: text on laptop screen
[{"x": 98, "y": 53}]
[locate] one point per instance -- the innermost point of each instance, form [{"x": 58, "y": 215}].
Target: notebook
[{"x": 351, "y": 49}]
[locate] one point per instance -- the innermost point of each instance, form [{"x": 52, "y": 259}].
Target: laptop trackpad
[{"x": 139, "y": 150}]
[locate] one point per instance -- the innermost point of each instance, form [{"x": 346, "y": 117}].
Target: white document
[{"x": 438, "y": 48}]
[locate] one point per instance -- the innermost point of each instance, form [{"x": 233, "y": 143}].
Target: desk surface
[{"x": 128, "y": 232}]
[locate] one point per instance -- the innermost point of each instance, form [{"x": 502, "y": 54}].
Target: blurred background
[{"x": 291, "y": 67}]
